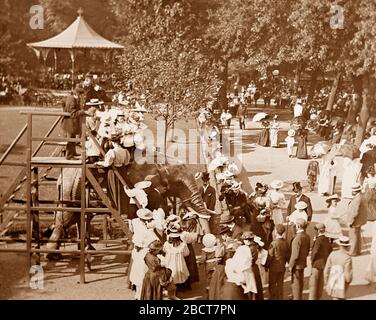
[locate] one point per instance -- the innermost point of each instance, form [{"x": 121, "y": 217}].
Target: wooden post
[
  {"x": 28, "y": 194},
  {"x": 83, "y": 202},
  {"x": 35, "y": 213}
]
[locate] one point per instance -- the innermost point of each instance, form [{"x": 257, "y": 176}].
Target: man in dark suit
[
  {"x": 299, "y": 196},
  {"x": 368, "y": 160},
  {"x": 298, "y": 260},
  {"x": 208, "y": 193},
  {"x": 320, "y": 252},
  {"x": 71, "y": 125},
  {"x": 279, "y": 254}
]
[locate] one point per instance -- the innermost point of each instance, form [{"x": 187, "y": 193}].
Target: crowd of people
[{"x": 255, "y": 239}]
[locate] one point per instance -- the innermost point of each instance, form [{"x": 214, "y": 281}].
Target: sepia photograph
[{"x": 188, "y": 150}]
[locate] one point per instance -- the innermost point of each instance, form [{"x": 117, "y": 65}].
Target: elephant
[{"x": 167, "y": 180}]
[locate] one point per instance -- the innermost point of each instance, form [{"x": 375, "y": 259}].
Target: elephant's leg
[{"x": 63, "y": 221}]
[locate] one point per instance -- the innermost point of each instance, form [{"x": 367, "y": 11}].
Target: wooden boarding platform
[{"x": 56, "y": 162}]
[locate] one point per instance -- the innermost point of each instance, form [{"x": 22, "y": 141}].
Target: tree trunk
[
  {"x": 364, "y": 112},
  {"x": 298, "y": 72},
  {"x": 222, "y": 96},
  {"x": 312, "y": 88},
  {"x": 333, "y": 92}
]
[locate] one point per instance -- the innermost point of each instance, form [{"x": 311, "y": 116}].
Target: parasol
[
  {"x": 321, "y": 148},
  {"x": 259, "y": 116}
]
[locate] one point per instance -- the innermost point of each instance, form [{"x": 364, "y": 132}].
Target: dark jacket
[
  {"x": 368, "y": 160},
  {"x": 209, "y": 197},
  {"x": 299, "y": 251},
  {"x": 72, "y": 125},
  {"x": 320, "y": 252},
  {"x": 304, "y": 198},
  {"x": 279, "y": 253}
]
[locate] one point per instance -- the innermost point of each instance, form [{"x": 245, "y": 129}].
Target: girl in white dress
[
  {"x": 332, "y": 225},
  {"x": 277, "y": 201},
  {"x": 327, "y": 172},
  {"x": 176, "y": 250}
]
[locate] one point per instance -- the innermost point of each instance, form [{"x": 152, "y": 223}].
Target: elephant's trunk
[{"x": 191, "y": 196}]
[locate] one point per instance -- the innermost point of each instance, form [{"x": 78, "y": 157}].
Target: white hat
[
  {"x": 291, "y": 133},
  {"x": 94, "y": 102},
  {"x": 277, "y": 184},
  {"x": 301, "y": 205},
  {"x": 144, "y": 214},
  {"x": 143, "y": 184},
  {"x": 356, "y": 187},
  {"x": 258, "y": 241},
  {"x": 343, "y": 241},
  {"x": 333, "y": 197},
  {"x": 236, "y": 185},
  {"x": 209, "y": 240}
]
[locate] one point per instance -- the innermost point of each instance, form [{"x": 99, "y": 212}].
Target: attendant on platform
[{"x": 71, "y": 125}]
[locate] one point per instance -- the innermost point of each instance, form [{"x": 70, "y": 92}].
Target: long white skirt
[{"x": 139, "y": 268}]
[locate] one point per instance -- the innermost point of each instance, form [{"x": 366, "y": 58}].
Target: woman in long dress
[
  {"x": 301, "y": 138},
  {"x": 143, "y": 236},
  {"x": 274, "y": 128},
  {"x": 351, "y": 169},
  {"x": 327, "y": 172},
  {"x": 332, "y": 226},
  {"x": 264, "y": 134},
  {"x": 158, "y": 276},
  {"x": 189, "y": 236},
  {"x": 277, "y": 201}
]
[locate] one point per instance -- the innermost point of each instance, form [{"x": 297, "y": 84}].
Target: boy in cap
[
  {"x": 321, "y": 250},
  {"x": 312, "y": 172},
  {"x": 279, "y": 254}
]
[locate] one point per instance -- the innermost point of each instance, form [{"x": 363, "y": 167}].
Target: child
[
  {"x": 211, "y": 255},
  {"x": 332, "y": 225},
  {"x": 176, "y": 250},
  {"x": 312, "y": 172},
  {"x": 290, "y": 141}
]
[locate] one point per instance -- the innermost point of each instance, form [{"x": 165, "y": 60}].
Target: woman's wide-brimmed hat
[
  {"x": 209, "y": 240},
  {"x": 301, "y": 205},
  {"x": 343, "y": 241},
  {"x": 333, "y": 197},
  {"x": 277, "y": 184},
  {"x": 247, "y": 235},
  {"x": 190, "y": 216},
  {"x": 144, "y": 214},
  {"x": 225, "y": 219},
  {"x": 291, "y": 133},
  {"x": 356, "y": 187},
  {"x": 94, "y": 102},
  {"x": 156, "y": 245}
]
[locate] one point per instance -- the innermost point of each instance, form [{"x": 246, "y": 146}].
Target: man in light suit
[
  {"x": 208, "y": 193},
  {"x": 320, "y": 252},
  {"x": 356, "y": 214},
  {"x": 299, "y": 196},
  {"x": 298, "y": 260}
]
